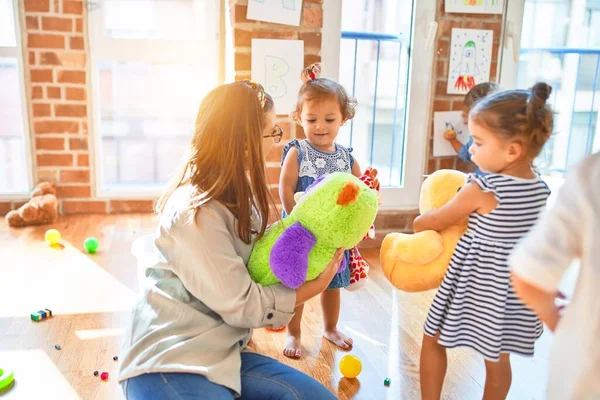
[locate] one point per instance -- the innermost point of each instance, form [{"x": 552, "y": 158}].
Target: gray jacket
[{"x": 198, "y": 305}]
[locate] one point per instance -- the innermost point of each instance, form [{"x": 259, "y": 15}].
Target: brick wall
[
  {"x": 446, "y": 102},
  {"x": 55, "y": 41},
  {"x": 244, "y": 31}
]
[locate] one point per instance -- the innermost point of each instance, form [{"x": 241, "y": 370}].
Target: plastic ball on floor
[
  {"x": 104, "y": 376},
  {"x": 91, "y": 244},
  {"x": 6, "y": 378},
  {"x": 52, "y": 236},
  {"x": 350, "y": 366}
]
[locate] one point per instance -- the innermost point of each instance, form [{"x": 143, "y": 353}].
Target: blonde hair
[
  {"x": 214, "y": 165},
  {"x": 518, "y": 114},
  {"x": 314, "y": 88}
]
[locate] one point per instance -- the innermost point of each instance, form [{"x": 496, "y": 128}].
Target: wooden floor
[{"x": 90, "y": 296}]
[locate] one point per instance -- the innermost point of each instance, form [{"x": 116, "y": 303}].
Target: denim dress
[{"x": 313, "y": 164}]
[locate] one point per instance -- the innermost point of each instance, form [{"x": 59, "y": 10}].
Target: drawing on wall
[
  {"x": 286, "y": 12},
  {"x": 474, "y": 6},
  {"x": 443, "y": 121},
  {"x": 276, "y": 65},
  {"x": 470, "y": 59}
]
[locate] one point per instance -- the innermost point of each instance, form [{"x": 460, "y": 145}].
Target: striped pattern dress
[{"x": 476, "y": 306}]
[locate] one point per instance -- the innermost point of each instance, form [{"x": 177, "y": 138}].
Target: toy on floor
[
  {"x": 115, "y": 358},
  {"x": 91, "y": 244},
  {"x": 6, "y": 378},
  {"x": 104, "y": 376},
  {"x": 41, "y": 209},
  {"x": 52, "y": 236},
  {"x": 96, "y": 373},
  {"x": 350, "y": 366},
  {"x": 418, "y": 262},
  {"x": 387, "y": 381},
  {"x": 41, "y": 315},
  {"x": 57, "y": 347},
  {"x": 336, "y": 211},
  {"x": 281, "y": 328}
]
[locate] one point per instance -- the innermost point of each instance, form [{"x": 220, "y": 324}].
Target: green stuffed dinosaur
[{"x": 336, "y": 211}]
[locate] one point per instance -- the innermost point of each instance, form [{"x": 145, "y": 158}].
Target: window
[
  {"x": 153, "y": 61},
  {"x": 15, "y": 168},
  {"x": 385, "y": 60},
  {"x": 568, "y": 58}
]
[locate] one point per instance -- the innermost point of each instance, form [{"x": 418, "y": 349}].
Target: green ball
[{"x": 91, "y": 244}]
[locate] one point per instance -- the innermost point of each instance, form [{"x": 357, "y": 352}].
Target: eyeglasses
[{"x": 276, "y": 134}]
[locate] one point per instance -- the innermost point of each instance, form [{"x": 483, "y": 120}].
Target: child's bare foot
[
  {"x": 339, "y": 339},
  {"x": 292, "y": 346}
]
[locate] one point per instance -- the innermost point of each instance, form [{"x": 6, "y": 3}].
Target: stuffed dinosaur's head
[{"x": 338, "y": 209}]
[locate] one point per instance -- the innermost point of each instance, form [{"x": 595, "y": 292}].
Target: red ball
[{"x": 104, "y": 376}]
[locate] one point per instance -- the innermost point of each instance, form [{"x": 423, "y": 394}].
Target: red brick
[
  {"x": 131, "y": 206},
  {"x": 474, "y": 25},
  {"x": 493, "y": 71},
  {"x": 242, "y": 38},
  {"x": 53, "y": 92},
  {"x": 41, "y": 75},
  {"x": 84, "y": 127},
  {"x": 78, "y": 191},
  {"x": 286, "y": 128},
  {"x": 75, "y": 176},
  {"x": 5, "y": 207},
  {"x": 312, "y": 40},
  {"x": 57, "y": 24},
  {"x": 445, "y": 27},
  {"x": 441, "y": 69},
  {"x": 76, "y": 43},
  {"x": 457, "y": 105},
  {"x": 242, "y": 76},
  {"x": 44, "y": 41},
  {"x": 443, "y": 46},
  {"x": 37, "y": 5},
  {"x": 31, "y": 22},
  {"x": 273, "y": 175},
  {"x": 83, "y": 160},
  {"x": 75, "y": 93},
  {"x": 275, "y": 194},
  {"x": 70, "y": 110},
  {"x": 79, "y": 25},
  {"x": 54, "y": 160},
  {"x": 71, "y": 76},
  {"x": 41, "y": 110},
  {"x": 312, "y": 17},
  {"x": 300, "y": 132},
  {"x": 242, "y": 62},
  {"x": 32, "y": 58},
  {"x": 55, "y": 126},
  {"x": 72, "y": 7},
  {"x": 311, "y": 59},
  {"x": 50, "y": 144},
  {"x": 84, "y": 207},
  {"x": 441, "y": 87},
  {"x": 78, "y": 144},
  {"x": 447, "y": 163},
  {"x": 494, "y": 26},
  {"x": 37, "y": 92},
  {"x": 275, "y": 153},
  {"x": 431, "y": 166},
  {"x": 441, "y": 105},
  {"x": 47, "y": 174},
  {"x": 239, "y": 13}
]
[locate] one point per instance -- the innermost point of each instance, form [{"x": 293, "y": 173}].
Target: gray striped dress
[{"x": 476, "y": 306}]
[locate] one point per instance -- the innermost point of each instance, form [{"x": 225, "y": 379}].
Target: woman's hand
[{"x": 310, "y": 289}]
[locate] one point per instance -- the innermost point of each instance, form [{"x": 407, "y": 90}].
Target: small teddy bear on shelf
[{"x": 41, "y": 209}]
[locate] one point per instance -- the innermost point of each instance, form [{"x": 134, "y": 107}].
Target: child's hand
[{"x": 450, "y": 134}]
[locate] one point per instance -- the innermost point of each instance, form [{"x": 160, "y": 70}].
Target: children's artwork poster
[
  {"x": 470, "y": 59},
  {"x": 442, "y": 121},
  {"x": 286, "y": 12},
  {"x": 276, "y": 64},
  {"x": 475, "y": 6}
]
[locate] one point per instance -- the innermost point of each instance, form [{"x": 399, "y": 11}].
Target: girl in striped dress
[{"x": 476, "y": 306}]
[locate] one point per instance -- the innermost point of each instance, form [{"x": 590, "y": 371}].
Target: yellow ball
[
  {"x": 52, "y": 236},
  {"x": 350, "y": 366}
]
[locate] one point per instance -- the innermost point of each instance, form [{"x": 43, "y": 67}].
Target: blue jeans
[{"x": 262, "y": 378}]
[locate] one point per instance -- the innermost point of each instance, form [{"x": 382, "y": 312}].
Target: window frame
[
  {"x": 418, "y": 108},
  {"x": 122, "y": 49},
  {"x": 19, "y": 53}
]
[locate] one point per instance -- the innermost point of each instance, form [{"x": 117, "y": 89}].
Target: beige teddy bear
[
  {"x": 418, "y": 262},
  {"x": 41, "y": 209}
]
